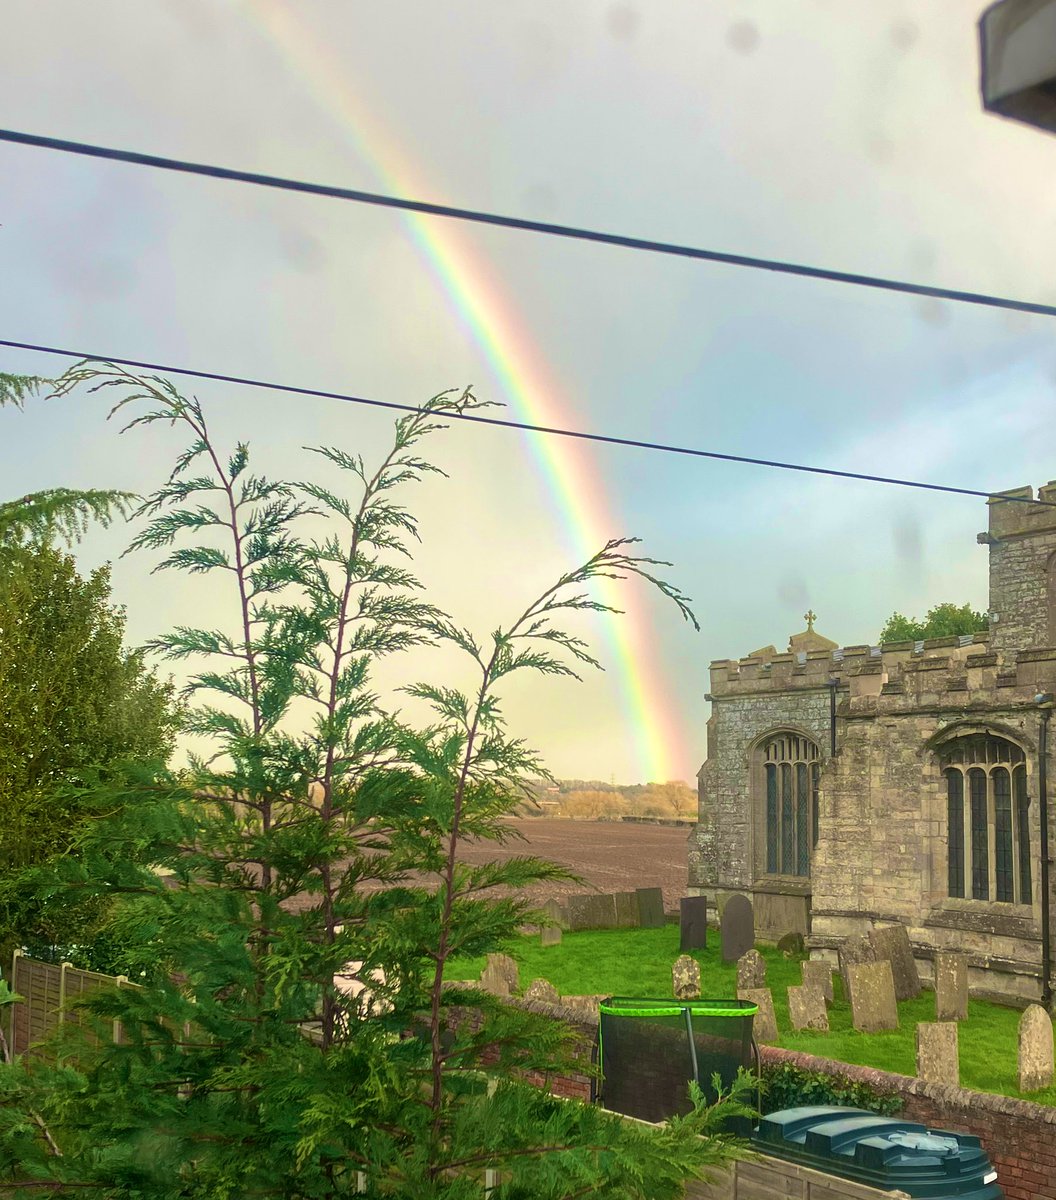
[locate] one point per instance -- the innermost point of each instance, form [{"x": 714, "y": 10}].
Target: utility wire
[
  {"x": 573, "y": 232},
  {"x": 523, "y": 426}
]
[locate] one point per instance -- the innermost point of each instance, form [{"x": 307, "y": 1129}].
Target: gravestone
[
  {"x": 736, "y": 928},
  {"x": 550, "y": 935},
  {"x": 543, "y": 991},
  {"x": 751, "y": 970},
  {"x": 818, "y": 975},
  {"x": 872, "y": 992},
  {"x": 1035, "y": 1049},
  {"x": 685, "y": 978},
  {"x": 791, "y": 944},
  {"x": 937, "y": 1060},
  {"x": 501, "y": 976},
  {"x": 693, "y": 923},
  {"x": 806, "y": 1009},
  {"x": 627, "y": 912},
  {"x": 555, "y": 913},
  {"x": 892, "y": 942},
  {"x": 651, "y": 907},
  {"x": 856, "y": 949},
  {"x": 764, "y": 1023},
  {"x": 951, "y": 986},
  {"x": 592, "y": 910},
  {"x": 583, "y": 1004}
]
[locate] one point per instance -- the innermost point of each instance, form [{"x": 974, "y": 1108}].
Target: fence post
[
  {"x": 11, "y": 1025},
  {"x": 119, "y": 1033},
  {"x": 63, "y": 968}
]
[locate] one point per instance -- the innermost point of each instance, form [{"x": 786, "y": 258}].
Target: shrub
[{"x": 787, "y": 1086}]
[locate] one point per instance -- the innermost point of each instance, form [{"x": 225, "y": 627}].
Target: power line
[
  {"x": 573, "y": 232},
  {"x": 523, "y": 426}
]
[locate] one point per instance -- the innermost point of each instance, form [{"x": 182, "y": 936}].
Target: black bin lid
[{"x": 883, "y": 1152}]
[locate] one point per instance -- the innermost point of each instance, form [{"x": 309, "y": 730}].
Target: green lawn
[{"x": 637, "y": 962}]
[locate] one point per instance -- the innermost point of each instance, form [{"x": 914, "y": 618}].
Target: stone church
[{"x": 853, "y": 787}]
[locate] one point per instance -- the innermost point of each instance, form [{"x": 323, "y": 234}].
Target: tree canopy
[{"x": 944, "y": 620}]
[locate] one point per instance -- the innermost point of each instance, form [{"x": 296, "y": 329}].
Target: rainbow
[{"x": 577, "y": 494}]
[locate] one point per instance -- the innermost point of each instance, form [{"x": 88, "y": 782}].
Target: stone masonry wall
[{"x": 1022, "y": 540}]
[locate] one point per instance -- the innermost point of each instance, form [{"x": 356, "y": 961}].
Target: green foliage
[
  {"x": 72, "y": 701},
  {"x": 302, "y": 856},
  {"x": 944, "y": 620},
  {"x": 55, "y": 512},
  {"x": 786, "y": 1085}
]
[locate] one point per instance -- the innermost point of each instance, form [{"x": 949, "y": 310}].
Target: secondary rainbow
[{"x": 574, "y": 485}]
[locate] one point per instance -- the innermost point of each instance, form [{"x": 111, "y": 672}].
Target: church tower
[{"x": 1022, "y": 542}]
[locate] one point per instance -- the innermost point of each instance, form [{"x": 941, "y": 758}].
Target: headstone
[
  {"x": 951, "y": 986},
  {"x": 592, "y": 910},
  {"x": 892, "y": 942},
  {"x": 501, "y": 976},
  {"x": 543, "y": 991},
  {"x": 627, "y": 912},
  {"x": 818, "y": 975},
  {"x": 693, "y": 923},
  {"x": 764, "y": 1023},
  {"x": 872, "y": 993},
  {"x": 751, "y": 970},
  {"x": 1035, "y": 1049},
  {"x": 806, "y": 1009},
  {"x": 583, "y": 1004},
  {"x": 791, "y": 944},
  {"x": 685, "y": 978},
  {"x": 856, "y": 949},
  {"x": 556, "y": 913},
  {"x": 651, "y": 907},
  {"x": 736, "y": 928},
  {"x": 937, "y": 1060},
  {"x": 550, "y": 935}
]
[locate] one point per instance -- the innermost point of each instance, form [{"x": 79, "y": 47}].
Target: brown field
[{"x": 612, "y": 856}]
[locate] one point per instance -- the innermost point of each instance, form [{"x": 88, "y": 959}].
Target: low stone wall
[{"x": 1020, "y": 1137}]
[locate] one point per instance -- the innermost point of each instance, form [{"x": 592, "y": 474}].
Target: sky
[{"x": 842, "y": 133}]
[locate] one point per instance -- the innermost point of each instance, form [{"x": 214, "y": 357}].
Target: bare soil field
[{"x": 612, "y": 856}]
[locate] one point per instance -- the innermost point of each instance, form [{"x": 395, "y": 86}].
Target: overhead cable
[
  {"x": 522, "y": 426},
  {"x": 573, "y": 232}
]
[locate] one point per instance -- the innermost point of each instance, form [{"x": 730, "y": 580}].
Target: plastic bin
[
  {"x": 882, "y": 1152},
  {"x": 649, "y": 1050}
]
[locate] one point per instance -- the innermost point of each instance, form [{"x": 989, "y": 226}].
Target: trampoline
[{"x": 649, "y": 1050}]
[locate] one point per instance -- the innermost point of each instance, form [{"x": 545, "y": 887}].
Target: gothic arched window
[
  {"x": 988, "y": 820},
  {"x": 791, "y": 766}
]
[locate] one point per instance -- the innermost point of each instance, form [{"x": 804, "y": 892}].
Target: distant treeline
[{"x": 593, "y": 800}]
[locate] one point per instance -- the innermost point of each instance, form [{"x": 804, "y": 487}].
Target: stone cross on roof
[
  {"x": 809, "y": 639},
  {"x": 810, "y": 616}
]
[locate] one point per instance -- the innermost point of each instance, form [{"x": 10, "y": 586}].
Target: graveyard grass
[{"x": 637, "y": 962}]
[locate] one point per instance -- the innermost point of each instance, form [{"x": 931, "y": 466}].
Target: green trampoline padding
[{"x": 635, "y": 1006}]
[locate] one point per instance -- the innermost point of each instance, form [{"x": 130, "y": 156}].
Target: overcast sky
[{"x": 844, "y": 133}]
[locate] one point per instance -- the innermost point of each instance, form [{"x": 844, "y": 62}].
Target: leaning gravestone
[
  {"x": 685, "y": 978},
  {"x": 556, "y": 913},
  {"x": 543, "y": 991},
  {"x": 1035, "y": 1049},
  {"x": 736, "y": 928},
  {"x": 818, "y": 975},
  {"x": 651, "y": 907},
  {"x": 751, "y": 970},
  {"x": 628, "y": 914},
  {"x": 951, "y": 986},
  {"x": 892, "y": 942},
  {"x": 501, "y": 976},
  {"x": 693, "y": 923},
  {"x": 856, "y": 949},
  {"x": 937, "y": 1060},
  {"x": 550, "y": 935},
  {"x": 806, "y": 1009},
  {"x": 791, "y": 943},
  {"x": 872, "y": 990},
  {"x": 764, "y": 1023}
]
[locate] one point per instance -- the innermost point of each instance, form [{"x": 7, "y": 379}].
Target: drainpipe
[
  {"x": 1044, "y": 701},
  {"x": 833, "y": 685}
]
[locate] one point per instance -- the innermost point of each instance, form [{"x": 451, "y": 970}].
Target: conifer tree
[{"x": 301, "y": 1041}]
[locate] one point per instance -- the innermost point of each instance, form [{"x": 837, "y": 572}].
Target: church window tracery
[{"x": 791, "y": 765}]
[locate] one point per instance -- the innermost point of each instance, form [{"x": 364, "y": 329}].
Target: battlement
[{"x": 1012, "y": 518}]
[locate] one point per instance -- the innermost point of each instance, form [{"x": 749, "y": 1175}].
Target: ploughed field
[{"x": 612, "y": 856}]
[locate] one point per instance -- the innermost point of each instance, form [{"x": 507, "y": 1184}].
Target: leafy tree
[
  {"x": 944, "y": 620},
  {"x": 72, "y": 701},
  {"x": 55, "y": 512},
  {"x": 256, "y": 1071}
]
